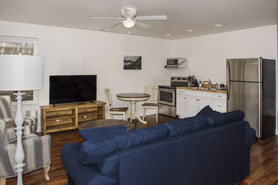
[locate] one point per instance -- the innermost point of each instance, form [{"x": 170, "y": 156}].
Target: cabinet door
[
  {"x": 191, "y": 106},
  {"x": 180, "y": 105},
  {"x": 202, "y": 103}
]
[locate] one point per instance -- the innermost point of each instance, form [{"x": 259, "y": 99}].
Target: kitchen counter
[{"x": 205, "y": 90}]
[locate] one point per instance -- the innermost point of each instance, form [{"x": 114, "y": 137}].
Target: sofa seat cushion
[
  {"x": 82, "y": 174},
  {"x": 223, "y": 118},
  {"x": 187, "y": 125},
  {"x": 96, "y": 133},
  {"x": 95, "y": 151}
]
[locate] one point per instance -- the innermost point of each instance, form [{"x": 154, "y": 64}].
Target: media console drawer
[{"x": 69, "y": 116}]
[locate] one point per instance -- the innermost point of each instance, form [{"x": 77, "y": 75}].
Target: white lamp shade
[{"x": 20, "y": 72}]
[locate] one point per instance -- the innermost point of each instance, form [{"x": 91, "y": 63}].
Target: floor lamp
[{"x": 20, "y": 73}]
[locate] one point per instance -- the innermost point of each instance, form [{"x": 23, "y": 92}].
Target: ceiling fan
[{"x": 129, "y": 19}]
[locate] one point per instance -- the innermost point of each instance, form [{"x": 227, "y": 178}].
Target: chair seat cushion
[
  {"x": 119, "y": 109},
  {"x": 150, "y": 105},
  {"x": 97, "y": 133}
]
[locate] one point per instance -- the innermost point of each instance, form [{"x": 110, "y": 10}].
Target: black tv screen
[{"x": 72, "y": 88}]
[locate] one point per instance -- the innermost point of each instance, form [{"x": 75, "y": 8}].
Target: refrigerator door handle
[{"x": 228, "y": 81}]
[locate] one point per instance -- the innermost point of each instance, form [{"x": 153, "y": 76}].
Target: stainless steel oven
[{"x": 167, "y": 100}]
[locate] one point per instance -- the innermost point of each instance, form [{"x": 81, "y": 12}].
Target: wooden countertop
[{"x": 205, "y": 90}]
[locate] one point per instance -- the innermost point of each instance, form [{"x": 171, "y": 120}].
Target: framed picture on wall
[
  {"x": 19, "y": 46},
  {"x": 132, "y": 62}
]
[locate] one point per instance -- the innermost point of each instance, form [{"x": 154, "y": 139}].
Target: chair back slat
[
  {"x": 108, "y": 98},
  {"x": 153, "y": 91}
]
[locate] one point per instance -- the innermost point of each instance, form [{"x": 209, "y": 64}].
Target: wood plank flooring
[{"x": 264, "y": 159}]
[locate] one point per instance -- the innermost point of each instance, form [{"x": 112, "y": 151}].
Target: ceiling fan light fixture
[{"x": 128, "y": 23}]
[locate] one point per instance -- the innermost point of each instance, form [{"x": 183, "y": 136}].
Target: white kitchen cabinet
[{"x": 190, "y": 102}]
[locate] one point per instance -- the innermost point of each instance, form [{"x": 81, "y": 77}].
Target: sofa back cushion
[
  {"x": 97, "y": 133},
  {"x": 223, "y": 118},
  {"x": 95, "y": 151},
  {"x": 207, "y": 111},
  {"x": 188, "y": 125}
]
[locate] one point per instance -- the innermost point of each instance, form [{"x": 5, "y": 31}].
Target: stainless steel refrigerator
[{"x": 251, "y": 88}]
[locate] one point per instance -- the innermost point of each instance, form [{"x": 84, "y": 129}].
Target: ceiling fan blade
[
  {"x": 143, "y": 25},
  {"x": 114, "y": 25},
  {"x": 152, "y": 18},
  {"x": 103, "y": 18}
]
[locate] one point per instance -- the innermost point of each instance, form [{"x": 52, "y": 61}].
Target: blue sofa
[{"x": 208, "y": 149}]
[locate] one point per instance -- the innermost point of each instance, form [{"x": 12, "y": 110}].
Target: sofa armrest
[
  {"x": 250, "y": 135},
  {"x": 37, "y": 151}
]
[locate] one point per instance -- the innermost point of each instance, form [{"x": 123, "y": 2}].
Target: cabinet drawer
[
  {"x": 87, "y": 117},
  {"x": 219, "y": 96},
  {"x": 219, "y": 106},
  {"x": 180, "y": 91},
  {"x": 59, "y": 121}
]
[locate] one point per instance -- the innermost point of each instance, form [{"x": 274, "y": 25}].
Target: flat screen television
[{"x": 72, "y": 88}]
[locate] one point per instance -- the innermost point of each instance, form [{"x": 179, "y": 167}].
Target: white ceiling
[{"x": 199, "y": 15}]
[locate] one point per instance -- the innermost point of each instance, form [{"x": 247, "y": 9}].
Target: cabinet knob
[
  {"x": 57, "y": 120},
  {"x": 84, "y": 117}
]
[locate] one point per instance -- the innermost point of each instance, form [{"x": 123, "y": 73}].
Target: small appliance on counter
[{"x": 178, "y": 81}]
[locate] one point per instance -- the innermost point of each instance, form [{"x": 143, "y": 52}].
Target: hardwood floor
[{"x": 264, "y": 159}]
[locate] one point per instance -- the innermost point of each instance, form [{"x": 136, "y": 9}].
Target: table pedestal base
[{"x": 133, "y": 114}]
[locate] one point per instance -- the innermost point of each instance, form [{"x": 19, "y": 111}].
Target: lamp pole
[{"x": 19, "y": 153}]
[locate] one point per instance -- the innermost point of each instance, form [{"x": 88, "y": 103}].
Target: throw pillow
[
  {"x": 96, "y": 133},
  {"x": 223, "y": 118},
  {"x": 207, "y": 111}
]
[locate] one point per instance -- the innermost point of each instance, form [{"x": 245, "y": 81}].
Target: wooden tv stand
[{"x": 70, "y": 116}]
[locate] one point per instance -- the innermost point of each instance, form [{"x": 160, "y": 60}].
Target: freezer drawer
[{"x": 246, "y": 97}]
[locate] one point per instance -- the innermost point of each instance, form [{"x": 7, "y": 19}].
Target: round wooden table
[
  {"x": 133, "y": 98},
  {"x": 106, "y": 123}
]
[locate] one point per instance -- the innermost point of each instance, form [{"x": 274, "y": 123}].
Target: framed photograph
[{"x": 132, "y": 62}]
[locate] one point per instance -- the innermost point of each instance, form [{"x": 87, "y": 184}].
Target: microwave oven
[{"x": 174, "y": 62}]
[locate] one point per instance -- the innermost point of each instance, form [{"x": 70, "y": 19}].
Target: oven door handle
[{"x": 166, "y": 90}]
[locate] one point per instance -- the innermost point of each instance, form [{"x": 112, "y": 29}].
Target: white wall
[
  {"x": 73, "y": 51},
  {"x": 207, "y": 54}
]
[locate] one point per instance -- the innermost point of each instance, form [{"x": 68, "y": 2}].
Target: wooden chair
[
  {"x": 114, "y": 110},
  {"x": 152, "y": 103}
]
